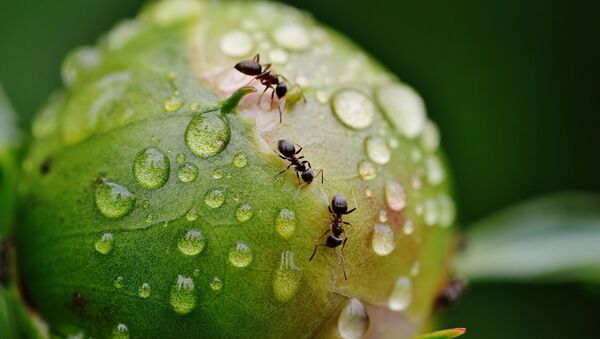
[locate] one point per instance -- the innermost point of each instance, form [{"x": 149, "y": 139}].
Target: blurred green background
[{"x": 513, "y": 86}]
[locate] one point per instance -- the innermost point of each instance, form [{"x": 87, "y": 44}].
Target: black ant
[
  {"x": 303, "y": 169},
  {"x": 267, "y": 78},
  {"x": 338, "y": 208},
  {"x": 451, "y": 293}
]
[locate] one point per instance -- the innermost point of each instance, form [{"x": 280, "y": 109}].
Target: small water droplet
[
  {"x": 105, "y": 244},
  {"x": 120, "y": 332},
  {"x": 149, "y": 218},
  {"x": 79, "y": 62},
  {"x": 395, "y": 195},
  {"x": 430, "y": 139},
  {"x": 144, "y": 291},
  {"x": 214, "y": 198},
  {"x": 292, "y": 36},
  {"x": 216, "y": 284},
  {"x": 353, "y": 108},
  {"x": 183, "y": 299},
  {"x": 236, "y": 43},
  {"x": 430, "y": 212},
  {"x": 383, "y": 216},
  {"x": 408, "y": 227},
  {"x": 285, "y": 223},
  {"x": 240, "y": 160},
  {"x": 113, "y": 200},
  {"x": 278, "y": 56},
  {"x": 145, "y": 204},
  {"x": 244, "y": 212},
  {"x": 187, "y": 172},
  {"x": 240, "y": 255},
  {"x": 415, "y": 268},
  {"x": 286, "y": 279},
  {"x": 191, "y": 214},
  {"x": 404, "y": 108},
  {"x": 192, "y": 242},
  {"x": 323, "y": 98},
  {"x": 217, "y": 174},
  {"x": 207, "y": 135},
  {"x": 435, "y": 170},
  {"x": 401, "y": 295},
  {"x": 196, "y": 272},
  {"x": 119, "y": 282},
  {"x": 173, "y": 104},
  {"x": 353, "y": 322},
  {"x": 383, "y": 241},
  {"x": 377, "y": 150},
  {"x": 416, "y": 183},
  {"x": 447, "y": 210},
  {"x": 151, "y": 168},
  {"x": 194, "y": 106},
  {"x": 180, "y": 158},
  {"x": 367, "y": 170}
]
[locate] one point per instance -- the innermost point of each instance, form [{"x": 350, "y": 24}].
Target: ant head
[
  {"x": 333, "y": 241},
  {"x": 286, "y": 148},
  {"x": 308, "y": 175},
  {"x": 339, "y": 205},
  {"x": 281, "y": 90},
  {"x": 248, "y": 67}
]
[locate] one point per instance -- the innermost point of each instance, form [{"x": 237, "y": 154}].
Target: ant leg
[
  {"x": 345, "y": 239},
  {"x": 322, "y": 175},
  {"x": 350, "y": 211},
  {"x": 298, "y": 176},
  {"x": 256, "y": 58},
  {"x": 306, "y": 162},
  {"x": 280, "y": 173},
  {"x": 343, "y": 264},
  {"x": 325, "y": 233},
  {"x": 261, "y": 95},
  {"x": 280, "y": 113},
  {"x": 330, "y": 210},
  {"x": 347, "y": 223},
  {"x": 315, "y": 251},
  {"x": 299, "y": 149}
]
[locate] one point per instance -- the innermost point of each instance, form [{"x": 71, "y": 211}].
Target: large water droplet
[
  {"x": 120, "y": 332},
  {"x": 285, "y": 223},
  {"x": 430, "y": 139},
  {"x": 183, "y": 299},
  {"x": 192, "y": 242},
  {"x": 151, "y": 168},
  {"x": 240, "y": 160},
  {"x": 244, "y": 212},
  {"x": 286, "y": 279},
  {"x": 119, "y": 282},
  {"x": 207, "y": 135},
  {"x": 353, "y": 108},
  {"x": 173, "y": 104},
  {"x": 292, "y": 36},
  {"x": 236, "y": 44},
  {"x": 367, "y": 170},
  {"x": 216, "y": 284},
  {"x": 404, "y": 108},
  {"x": 395, "y": 195},
  {"x": 113, "y": 200},
  {"x": 435, "y": 170},
  {"x": 377, "y": 150},
  {"x": 214, "y": 198},
  {"x": 105, "y": 243},
  {"x": 187, "y": 172},
  {"x": 401, "y": 295},
  {"x": 353, "y": 322},
  {"x": 144, "y": 291},
  {"x": 383, "y": 240},
  {"x": 241, "y": 255},
  {"x": 191, "y": 214}
]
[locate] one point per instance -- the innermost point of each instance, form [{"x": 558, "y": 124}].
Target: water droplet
[
  {"x": 187, "y": 172},
  {"x": 383, "y": 216},
  {"x": 236, "y": 43},
  {"x": 278, "y": 56},
  {"x": 192, "y": 242},
  {"x": 415, "y": 155},
  {"x": 435, "y": 170},
  {"x": 377, "y": 150},
  {"x": 430, "y": 139},
  {"x": 173, "y": 104},
  {"x": 353, "y": 108},
  {"x": 217, "y": 174},
  {"x": 105, "y": 244},
  {"x": 404, "y": 108},
  {"x": 119, "y": 282},
  {"x": 207, "y": 135},
  {"x": 180, "y": 158},
  {"x": 151, "y": 168},
  {"x": 292, "y": 36},
  {"x": 383, "y": 241},
  {"x": 79, "y": 62},
  {"x": 244, "y": 212},
  {"x": 113, "y": 200},
  {"x": 183, "y": 299},
  {"x": 408, "y": 227},
  {"x": 191, "y": 214},
  {"x": 144, "y": 291},
  {"x": 240, "y": 160},
  {"x": 216, "y": 284},
  {"x": 120, "y": 332},
  {"x": 447, "y": 210},
  {"x": 149, "y": 218},
  {"x": 430, "y": 212},
  {"x": 353, "y": 322},
  {"x": 367, "y": 170},
  {"x": 286, "y": 279},
  {"x": 415, "y": 268},
  {"x": 165, "y": 13},
  {"x": 241, "y": 255},
  {"x": 285, "y": 223},
  {"x": 401, "y": 295},
  {"x": 416, "y": 182},
  {"x": 395, "y": 195},
  {"x": 194, "y": 106},
  {"x": 214, "y": 198}
]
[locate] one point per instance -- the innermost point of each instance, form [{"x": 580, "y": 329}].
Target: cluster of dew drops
[{"x": 207, "y": 136}]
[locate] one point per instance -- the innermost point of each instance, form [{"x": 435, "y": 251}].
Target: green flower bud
[{"x": 161, "y": 214}]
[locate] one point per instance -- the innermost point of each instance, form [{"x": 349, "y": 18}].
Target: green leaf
[
  {"x": 9, "y": 141},
  {"x": 444, "y": 334},
  {"x": 551, "y": 238}
]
